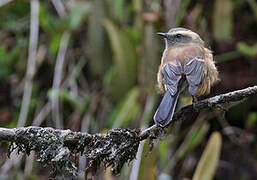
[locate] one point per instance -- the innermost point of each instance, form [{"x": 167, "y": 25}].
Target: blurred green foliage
[
  {"x": 109, "y": 75},
  {"x": 125, "y": 60},
  {"x": 8, "y": 60}
]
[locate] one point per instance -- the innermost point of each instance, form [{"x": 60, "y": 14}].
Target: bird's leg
[{"x": 194, "y": 99}]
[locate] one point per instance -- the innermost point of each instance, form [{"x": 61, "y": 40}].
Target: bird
[{"x": 185, "y": 60}]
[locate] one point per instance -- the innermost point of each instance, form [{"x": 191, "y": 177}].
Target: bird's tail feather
[{"x": 165, "y": 111}]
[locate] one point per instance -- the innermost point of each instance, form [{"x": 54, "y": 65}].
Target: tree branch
[
  {"x": 210, "y": 103},
  {"x": 54, "y": 147}
]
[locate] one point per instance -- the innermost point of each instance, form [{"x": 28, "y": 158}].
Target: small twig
[
  {"x": 31, "y": 70},
  {"x": 225, "y": 125},
  {"x": 58, "y": 74},
  {"x": 40, "y": 117},
  {"x": 4, "y": 2},
  {"x": 136, "y": 164},
  {"x": 172, "y": 8},
  {"x": 56, "y": 116},
  {"x": 84, "y": 128},
  {"x": 31, "y": 65},
  {"x": 60, "y": 8}
]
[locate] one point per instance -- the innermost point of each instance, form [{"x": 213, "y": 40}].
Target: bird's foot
[{"x": 194, "y": 101}]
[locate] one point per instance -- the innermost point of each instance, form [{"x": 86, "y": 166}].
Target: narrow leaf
[
  {"x": 206, "y": 167},
  {"x": 127, "y": 110},
  {"x": 195, "y": 139},
  {"x": 223, "y": 19},
  {"x": 125, "y": 59}
]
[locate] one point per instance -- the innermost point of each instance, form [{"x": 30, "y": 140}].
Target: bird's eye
[{"x": 178, "y": 36}]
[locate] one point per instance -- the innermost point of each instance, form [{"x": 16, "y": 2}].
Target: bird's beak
[{"x": 164, "y": 35}]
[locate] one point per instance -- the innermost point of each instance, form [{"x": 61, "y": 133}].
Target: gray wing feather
[
  {"x": 193, "y": 89},
  {"x": 194, "y": 72},
  {"x": 172, "y": 74}
]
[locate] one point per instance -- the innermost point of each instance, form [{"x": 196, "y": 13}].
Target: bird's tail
[{"x": 165, "y": 111}]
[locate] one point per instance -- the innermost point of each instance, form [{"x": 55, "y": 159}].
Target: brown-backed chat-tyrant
[{"x": 185, "y": 59}]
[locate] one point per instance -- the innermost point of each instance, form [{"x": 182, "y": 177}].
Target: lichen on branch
[{"x": 55, "y": 148}]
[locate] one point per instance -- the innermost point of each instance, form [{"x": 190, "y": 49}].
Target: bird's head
[{"x": 180, "y": 36}]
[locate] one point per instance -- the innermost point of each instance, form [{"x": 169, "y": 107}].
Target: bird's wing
[
  {"x": 193, "y": 68},
  {"x": 172, "y": 73}
]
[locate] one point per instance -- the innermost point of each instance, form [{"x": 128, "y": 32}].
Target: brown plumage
[
  {"x": 210, "y": 73},
  {"x": 185, "y": 59}
]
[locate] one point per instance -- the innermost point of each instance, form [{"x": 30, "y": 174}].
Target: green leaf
[
  {"x": 246, "y": 49},
  {"x": 48, "y": 22},
  {"x": 223, "y": 19},
  {"x": 68, "y": 97},
  {"x": 149, "y": 110},
  {"x": 51, "y": 25},
  {"x": 251, "y": 120},
  {"x": 148, "y": 168},
  {"x": 55, "y": 43},
  {"x": 8, "y": 60},
  {"x": 125, "y": 59},
  {"x": 182, "y": 12},
  {"x": 98, "y": 44},
  {"x": 195, "y": 139},
  {"x": 79, "y": 12},
  {"x": 118, "y": 9},
  {"x": 253, "y": 6},
  {"x": 14, "y": 17},
  {"x": 127, "y": 110},
  {"x": 108, "y": 78},
  {"x": 206, "y": 167},
  {"x": 163, "y": 148}
]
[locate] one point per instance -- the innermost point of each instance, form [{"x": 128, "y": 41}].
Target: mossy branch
[{"x": 55, "y": 147}]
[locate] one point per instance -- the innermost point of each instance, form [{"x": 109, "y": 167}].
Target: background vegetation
[{"x": 91, "y": 66}]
